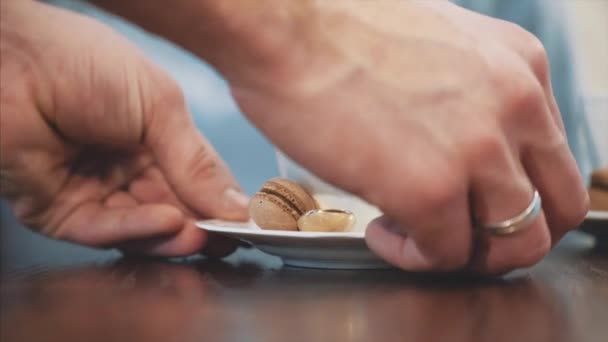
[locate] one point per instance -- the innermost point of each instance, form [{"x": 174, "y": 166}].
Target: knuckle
[
  {"x": 552, "y": 140},
  {"x": 524, "y": 98},
  {"x": 172, "y": 95},
  {"x": 202, "y": 164},
  {"x": 437, "y": 190},
  {"x": 524, "y": 102},
  {"x": 486, "y": 146},
  {"x": 519, "y": 94},
  {"x": 429, "y": 185},
  {"x": 160, "y": 99},
  {"x": 538, "y": 58},
  {"x": 166, "y": 89},
  {"x": 532, "y": 50}
]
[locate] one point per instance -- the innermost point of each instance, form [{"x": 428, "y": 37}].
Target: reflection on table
[{"x": 251, "y": 297}]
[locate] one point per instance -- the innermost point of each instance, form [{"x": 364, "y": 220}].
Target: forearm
[{"x": 236, "y": 37}]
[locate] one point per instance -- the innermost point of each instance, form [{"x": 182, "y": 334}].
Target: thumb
[{"x": 199, "y": 177}]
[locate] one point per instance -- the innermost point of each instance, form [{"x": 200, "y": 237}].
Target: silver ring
[{"x": 518, "y": 222}]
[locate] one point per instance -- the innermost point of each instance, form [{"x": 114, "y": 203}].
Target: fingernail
[{"x": 236, "y": 198}]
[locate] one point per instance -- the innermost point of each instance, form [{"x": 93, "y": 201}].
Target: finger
[
  {"x": 495, "y": 255},
  {"x": 386, "y": 239},
  {"x": 554, "y": 108},
  {"x": 120, "y": 199},
  {"x": 192, "y": 167},
  {"x": 97, "y": 225},
  {"x": 152, "y": 187},
  {"x": 188, "y": 241},
  {"x": 547, "y": 159},
  {"x": 441, "y": 240},
  {"x": 501, "y": 190},
  {"x": 553, "y": 171}
]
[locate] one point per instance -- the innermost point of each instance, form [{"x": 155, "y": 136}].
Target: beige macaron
[{"x": 279, "y": 204}]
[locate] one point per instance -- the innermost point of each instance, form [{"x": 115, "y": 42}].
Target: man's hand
[
  {"x": 97, "y": 145},
  {"x": 441, "y": 117}
]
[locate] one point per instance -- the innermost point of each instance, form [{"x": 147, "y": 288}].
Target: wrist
[
  {"x": 279, "y": 47},
  {"x": 256, "y": 40},
  {"x": 247, "y": 41}
]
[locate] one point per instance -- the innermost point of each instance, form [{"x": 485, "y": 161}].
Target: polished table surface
[{"x": 251, "y": 297}]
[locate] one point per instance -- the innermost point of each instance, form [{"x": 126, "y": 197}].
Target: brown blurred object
[
  {"x": 599, "y": 178},
  {"x": 598, "y": 191},
  {"x": 599, "y": 199},
  {"x": 596, "y": 222}
]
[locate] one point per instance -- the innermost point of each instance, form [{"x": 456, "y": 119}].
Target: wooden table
[{"x": 251, "y": 297}]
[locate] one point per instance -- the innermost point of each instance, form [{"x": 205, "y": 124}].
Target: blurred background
[
  {"x": 575, "y": 33},
  {"x": 588, "y": 20}
]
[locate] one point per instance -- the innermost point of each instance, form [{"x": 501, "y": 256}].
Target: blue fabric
[{"x": 251, "y": 156}]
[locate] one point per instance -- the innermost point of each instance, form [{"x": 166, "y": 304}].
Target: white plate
[
  {"x": 302, "y": 249},
  {"x": 597, "y": 215}
]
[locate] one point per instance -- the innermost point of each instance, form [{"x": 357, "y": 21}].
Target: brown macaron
[
  {"x": 599, "y": 179},
  {"x": 599, "y": 199},
  {"x": 279, "y": 204}
]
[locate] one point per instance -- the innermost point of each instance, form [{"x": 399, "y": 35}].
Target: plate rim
[
  {"x": 204, "y": 224},
  {"x": 597, "y": 215}
]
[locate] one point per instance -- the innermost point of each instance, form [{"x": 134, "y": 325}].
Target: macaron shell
[
  {"x": 293, "y": 192},
  {"x": 269, "y": 212}
]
